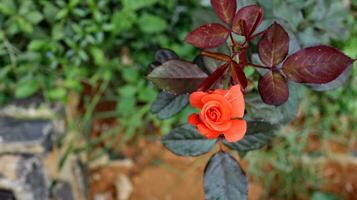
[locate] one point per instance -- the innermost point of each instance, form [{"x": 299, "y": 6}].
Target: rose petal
[
  {"x": 218, "y": 127},
  {"x": 225, "y": 105},
  {"x": 193, "y": 119},
  {"x": 222, "y": 104},
  {"x": 235, "y": 97},
  {"x": 220, "y": 91},
  {"x": 195, "y": 99},
  {"x": 210, "y": 134},
  {"x": 237, "y": 131}
]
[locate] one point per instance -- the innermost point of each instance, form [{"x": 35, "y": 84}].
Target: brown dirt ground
[{"x": 158, "y": 174}]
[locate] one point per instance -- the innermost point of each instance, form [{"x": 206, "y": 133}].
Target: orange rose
[{"x": 221, "y": 113}]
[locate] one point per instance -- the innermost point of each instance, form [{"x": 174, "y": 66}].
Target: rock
[
  {"x": 62, "y": 191},
  {"x": 123, "y": 187},
  {"x": 6, "y": 195},
  {"x": 25, "y": 135},
  {"x": 75, "y": 173},
  {"x": 80, "y": 173},
  {"x": 22, "y": 177},
  {"x": 104, "y": 196},
  {"x": 33, "y": 107}
]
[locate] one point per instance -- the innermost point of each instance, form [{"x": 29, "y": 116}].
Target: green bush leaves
[{"x": 151, "y": 24}]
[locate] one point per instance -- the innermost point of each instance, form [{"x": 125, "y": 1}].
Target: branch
[{"x": 259, "y": 66}]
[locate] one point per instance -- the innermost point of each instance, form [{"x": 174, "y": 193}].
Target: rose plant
[{"x": 228, "y": 114}]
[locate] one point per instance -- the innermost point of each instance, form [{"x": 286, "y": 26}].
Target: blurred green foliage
[{"x": 54, "y": 47}]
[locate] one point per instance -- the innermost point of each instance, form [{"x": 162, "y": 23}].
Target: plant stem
[
  {"x": 259, "y": 66},
  {"x": 256, "y": 35},
  {"x": 234, "y": 43},
  {"x": 215, "y": 55},
  {"x": 220, "y": 143}
]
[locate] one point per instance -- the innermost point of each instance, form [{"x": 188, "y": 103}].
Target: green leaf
[
  {"x": 126, "y": 106},
  {"x": 258, "y": 135},
  {"x": 50, "y": 11},
  {"x": 4, "y": 71},
  {"x": 123, "y": 20},
  {"x": 26, "y": 88},
  {"x": 57, "y": 32},
  {"x": 185, "y": 140},
  {"x": 151, "y": 24},
  {"x": 36, "y": 45},
  {"x": 56, "y": 93},
  {"x": 62, "y": 13},
  {"x": 24, "y": 25},
  {"x": 130, "y": 74},
  {"x": 137, "y": 4},
  {"x": 167, "y": 105},
  {"x": 147, "y": 94},
  {"x": 98, "y": 56},
  {"x": 7, "y": 7},
  {"x": 249, "y": 71},
  {"x": 224, "y": 178},
  {"x": 34, "y": 17},
  {"x": 127, "y": 90}
]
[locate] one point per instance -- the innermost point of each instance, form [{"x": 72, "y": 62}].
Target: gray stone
[
  {"x": 62, "y": 191},
  {"x": 25, "y": 135},
  {"x": 23, "y": 177},
  {"x": 6, "y": 195},
  {"x": 81, "y": 181}
]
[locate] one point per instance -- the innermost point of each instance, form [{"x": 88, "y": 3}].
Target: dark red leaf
[
  {"x": 273, "y": 88},
  {"x": 247, "y": 19},
  {"x": 238, "y": 75},
  {"x": 225, "y": 9},
  {"x": 319, "y": 64},
  {"x": 274, "y": 45},
  {"x": 338, "y": 82},
  {"x": 177, "y": 76},
  {"x": 212, "y": 79},
  {"x": 208, "y": 36}
]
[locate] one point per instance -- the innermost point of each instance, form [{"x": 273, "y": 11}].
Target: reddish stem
[
  {"x": 256, "y": 35},
  {"x": 234, "y": 43},
  {"x": 215, "y": 55},
  {"x": 209, "y": 81},
  {"x": 259, "y": 66}
]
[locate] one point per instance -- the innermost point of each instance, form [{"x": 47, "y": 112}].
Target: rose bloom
[{"x": 221, "y": 113}]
